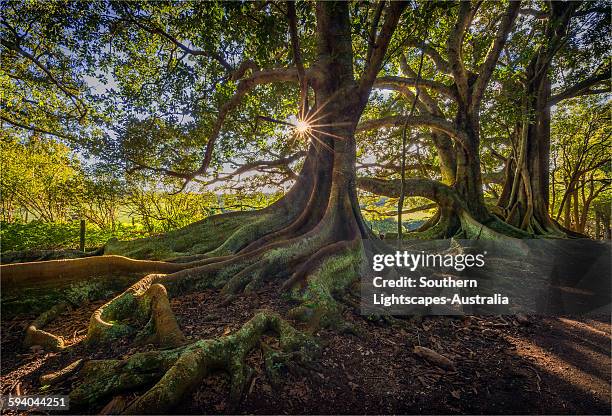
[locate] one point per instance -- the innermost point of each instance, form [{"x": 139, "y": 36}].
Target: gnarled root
[
  {"x": 35, "y": 334},
  {"x": 62, "y": 374},
  {"x": 145, "y": 301},
  {"x": 178, "y": 371},
  {"x": 328, "y": 273}
]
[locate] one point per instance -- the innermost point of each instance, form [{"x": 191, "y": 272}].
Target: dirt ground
[{"x": 501, "y": 364}]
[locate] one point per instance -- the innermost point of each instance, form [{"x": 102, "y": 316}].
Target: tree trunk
[
  {"x": 468, "y": 178},
  {"x": 568, "y": 219},
  {"x": 576, "y": 212},
  {"x": 527, "y": 207}
]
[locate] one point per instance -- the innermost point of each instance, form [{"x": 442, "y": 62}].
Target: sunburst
[{"x": 307, "y": 128}]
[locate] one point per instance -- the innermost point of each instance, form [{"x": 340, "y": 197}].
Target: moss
[
  {"x": 178, "y": 370},
  {"x": 80, "y": 292},
  {"x": 37, "y": 299},
  {"x": 197, "y": 238},
  {"x": 331, "y": 278}
]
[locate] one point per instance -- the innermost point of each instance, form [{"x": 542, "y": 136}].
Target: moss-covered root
[
  {"x": 178, "y": 371},
  {"x": 162, "y": 328},
  {"x": 61, "y": 374},
  {"x": 494, "y": 229},
  {"x": 36, "y": 336},
  {"x": 144, "y": 303},
  {"x": 330, "y": 276}
]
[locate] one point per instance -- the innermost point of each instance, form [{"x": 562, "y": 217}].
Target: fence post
[{"x": 82, "y": 236}]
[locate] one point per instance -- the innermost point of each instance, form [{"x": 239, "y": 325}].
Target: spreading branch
[
  {"x": 455, "y": 42},
  {"x": 428, "y": 101},
  {"x": 156, "y": 30},
  {"x": 442, "y": 65},
  {"x": 392, "y": 15},
  {"x": 245, "y": 86},
  {"x": 259, "y": 165},
  {"x": 584, "y": 87},
  {"x": 398, "y": 83},
  {"x": 435, "y": 191},
  {"x": 374, "y": 28},
  {"x": 33, "y": 128},
  {"x": 297, "y": 57},
  {"x": 431, "y": 121},
  {"x": 80, "y": 106},
  {"x": 488, "y": 66}
]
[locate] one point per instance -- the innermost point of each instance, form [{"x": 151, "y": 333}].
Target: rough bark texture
[{"x": 525, "y": 202}]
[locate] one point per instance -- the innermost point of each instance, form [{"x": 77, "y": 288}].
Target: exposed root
[
  {"x": 62, "y": 374},
  {"x": 178, "y": 371},
  {"x": 75, "y": 269},
  {"x": 494, "y": 229},
  {"x": 248, "y": 233},
  {"x": 145, "y": 301},
  {"x": 197, "y": 238},
  {"x": 333, "y": 271},
  {"x": 35, "y": 334},
  {"x": 315, "y": 261}
]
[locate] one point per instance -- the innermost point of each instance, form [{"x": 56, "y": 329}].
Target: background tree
[
  {"x": 582, "y": 160},
  {"x": 566, "y": 29}
]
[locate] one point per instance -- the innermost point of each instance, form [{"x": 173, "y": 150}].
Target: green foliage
[
  {"x": 581, "y": 174},
  {"x": 40, "y": 176},
  {"x": 58, "y": 235}
]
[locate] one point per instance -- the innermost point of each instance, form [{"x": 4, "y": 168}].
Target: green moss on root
[
  {"x": 177, "y": 371},
  {"x": 197, "y": 238},
  {"x": 330, "y": 279}
]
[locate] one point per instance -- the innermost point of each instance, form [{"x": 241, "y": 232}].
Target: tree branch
[
  {"x": 33, "y": 128},
  {"x": 442, "y": 65},
  {"x": 437, "y": 123},
  {"x": 156, "y": 30},
  {"x": 443, "y": 195},
  {"x": 488, "y": 66},
  {"x": 411, "y": 210},
  {"x": 374, "y": 28},
  {"x": 256, "y": 165},
  {"x": 392, "y": 15},
  {"x": 244, "y": 87},
  {"x": 429, "y": 102},
  {"x": 397, "y": 83},
  {"x": 297, "y": 57},
  {"x": 582, "y": 88},
  {"x": 79, "y": 104},
  {"x": 455, "y": 44},
  {"x": 397, "y": 168}
]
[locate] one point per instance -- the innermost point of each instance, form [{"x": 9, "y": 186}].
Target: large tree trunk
[
  {"x": 468, "y": 177},
  {"x": 528, "y": 202},
  {"x": 324, "y": 196}
]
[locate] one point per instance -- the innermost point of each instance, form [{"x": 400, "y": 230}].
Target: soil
[{"x": 502, "y": 364}]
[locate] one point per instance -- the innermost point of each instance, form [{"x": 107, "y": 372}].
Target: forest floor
[{"x": 502, "y": 365}]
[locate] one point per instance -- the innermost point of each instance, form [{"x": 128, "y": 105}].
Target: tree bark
[{"x": 527, "y": 207}]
